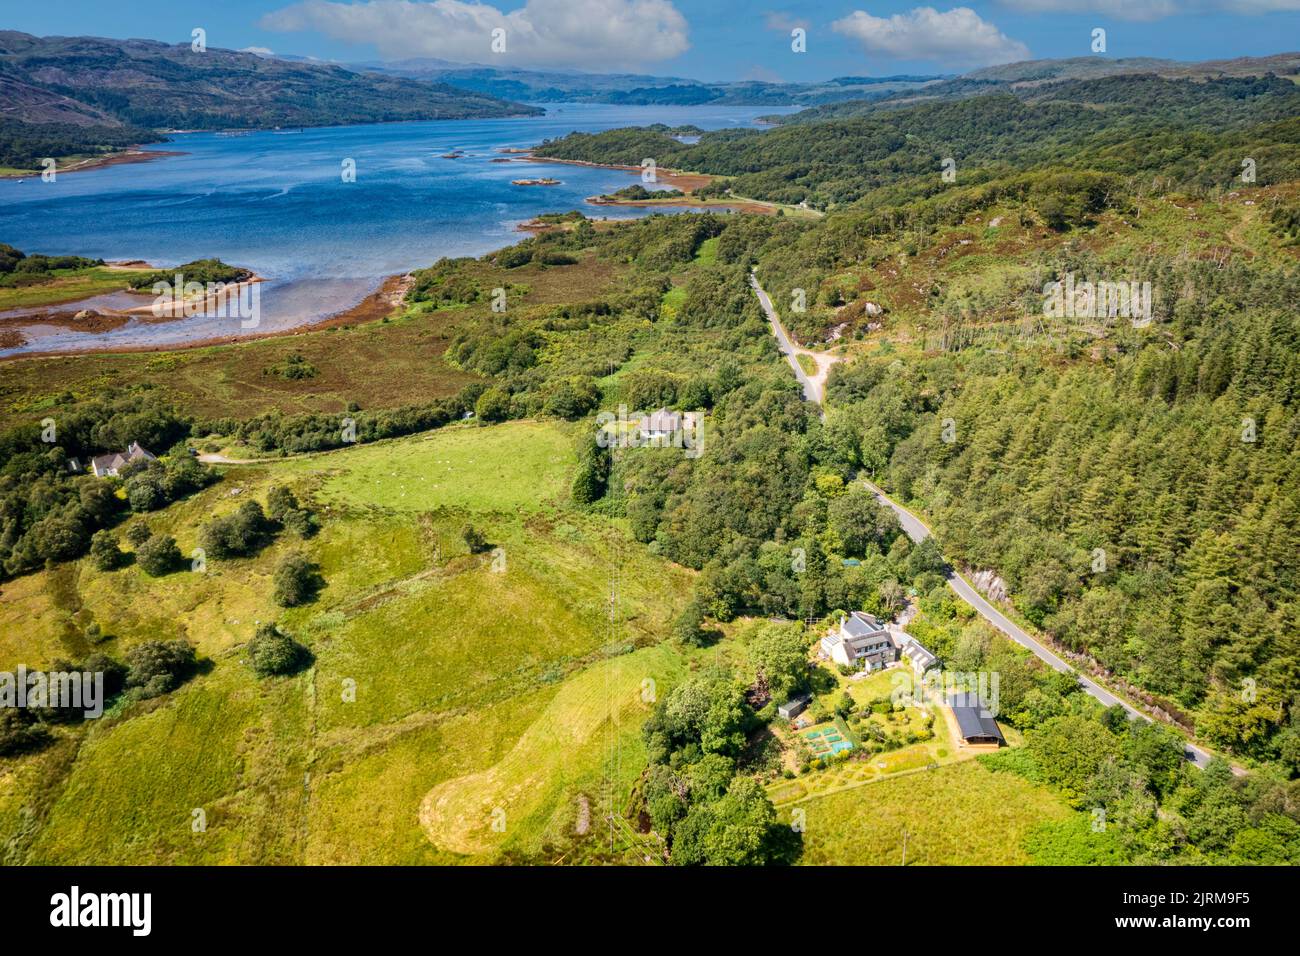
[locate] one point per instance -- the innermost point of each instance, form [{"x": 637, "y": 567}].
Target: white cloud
[
  {"x": 576, "y": 33},
  {"x": 783, "y": 22},
  {"x": 259, "y": 50},
  {"x": 958, "y": 37},
  {"x": 1151, "y": 9}
]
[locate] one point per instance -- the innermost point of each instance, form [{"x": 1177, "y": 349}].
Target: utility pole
[{"x": 904, "y": 846}]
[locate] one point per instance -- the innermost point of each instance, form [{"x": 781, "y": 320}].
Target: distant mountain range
[
  {"x": 629, "y": 88},
  {"x": 89, "y": 81},
  {"x": 75, "y": 97},
  {"x": 1037, "y": 78},
  {"x": 83, "y": 96}
]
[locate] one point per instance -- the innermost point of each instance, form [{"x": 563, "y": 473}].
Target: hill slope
[
  {"x": 1030, "y": 77},
  {"x": 146, "y": 83}
]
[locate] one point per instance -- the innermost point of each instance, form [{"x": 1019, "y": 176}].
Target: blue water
[{"x": 275, "y": 202}]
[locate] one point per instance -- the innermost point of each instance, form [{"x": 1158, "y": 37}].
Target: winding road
[
  {"x": 917, "y": 531},
  {"x": 814, "y": 390},
  {"x": 814, "y": 387}
]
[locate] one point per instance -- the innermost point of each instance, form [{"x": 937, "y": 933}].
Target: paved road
[
  {"x": 811, "y": 390},
  {"x": 917, "y": 531}
]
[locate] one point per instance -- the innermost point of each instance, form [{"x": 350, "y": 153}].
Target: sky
[{"x": 700, "y": 39}]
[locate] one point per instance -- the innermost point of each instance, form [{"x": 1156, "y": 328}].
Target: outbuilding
[
  {"x": 975, "y": 724},
  {"x": 793, "y": 707}
]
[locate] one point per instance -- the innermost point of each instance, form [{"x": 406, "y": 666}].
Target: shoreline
[
  {"x": 686, "y": 182},
  {"x": 132, "y": 155},
  {"x": 46, "y": 315},
  {"x": 674, "y": 178},
  {"x": 116, "y": 265},
  {"x": 377, "y": 305}
]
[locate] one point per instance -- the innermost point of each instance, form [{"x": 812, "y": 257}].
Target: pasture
[
  {"x": 958, "y": 814},
  {"x": 505, "y": 676}
]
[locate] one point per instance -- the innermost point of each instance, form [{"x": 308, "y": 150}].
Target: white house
[
  {"x": 663, "y": 424},
  {"x": 860, "y": 641},
  {"x": 112, "y": 463}
]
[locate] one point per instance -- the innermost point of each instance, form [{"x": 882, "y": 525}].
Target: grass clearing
[
  {"x": 591, "y": 713},
  {"x": 961, "y": 814},
  {"x": 457, "y": 667},
  {"x": 515, "y": 465}
]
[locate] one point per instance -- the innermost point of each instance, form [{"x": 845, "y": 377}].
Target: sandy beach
[
  {"x": 379, "y": 304},
  {"x": 686, "y": 182}
]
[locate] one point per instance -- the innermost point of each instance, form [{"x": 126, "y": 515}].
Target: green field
[
  {"x": 961, "y": 814},
  {"x": 521, "y": 465},
  {"x": 67, "y": 285},
  {"x": 496, "y": 678}
]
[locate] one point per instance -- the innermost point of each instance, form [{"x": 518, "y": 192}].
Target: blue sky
[{"x": 704, "y": 39}]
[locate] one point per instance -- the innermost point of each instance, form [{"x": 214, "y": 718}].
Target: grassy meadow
[
  {"x": 65, "y": 285},
  {"x": 482, "y": 681},
  {"x": 960, "y": 814}
]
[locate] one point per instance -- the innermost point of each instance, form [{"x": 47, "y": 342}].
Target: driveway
[{"x": 814, "y": 387}]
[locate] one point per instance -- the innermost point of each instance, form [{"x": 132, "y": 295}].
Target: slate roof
[
  {"x": 973, "y": 718},
  {"x": 118, "y": 459}
]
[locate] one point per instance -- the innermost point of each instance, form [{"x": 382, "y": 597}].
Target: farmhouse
[
  {"x": 110, "y": 464},
  {"x": 975, "y": 725},
  {"x": 793, "y": 707},
  {"x": 860, "y": 641},
  {"x": 663, "y": 424}
]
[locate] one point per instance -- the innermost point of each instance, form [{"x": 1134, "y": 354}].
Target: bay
[{"x": 275, "y": 202}]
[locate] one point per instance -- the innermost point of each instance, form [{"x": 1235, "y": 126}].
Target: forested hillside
[
  {"x": 83, "y": 95},
  {"x": 1136, "y": 488},
  {"x": 1190, "y": 131}
]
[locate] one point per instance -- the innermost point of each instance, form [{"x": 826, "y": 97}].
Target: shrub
[
  {"x": 158, "y": 555},
  {"x": 292, "y": 368},
  {"x": 295, "y": 579},
  {"x": 18, "y": 734},
  {"x": 474, "y": 539},
  {"x": 280, "y": 500},
  {"x": 138, "y": 534},
  {"x": 236, "y": 535},
  {"x": 105, "y": 552},
  {"x": 492, "y": 406},
  {"x": 272, "y": 652},
  {"x": 145, "y": 492},
  {"x": 301, "y": 522},
  {"x": 114, "y": 672},
  {"x": 689, "y": 626},
  {"x": 156, "y": 667}
]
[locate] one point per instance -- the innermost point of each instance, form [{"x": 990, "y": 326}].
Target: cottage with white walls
[
  {"x": 109, "y": 465},
  {"x": 861, "y": 641}
]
